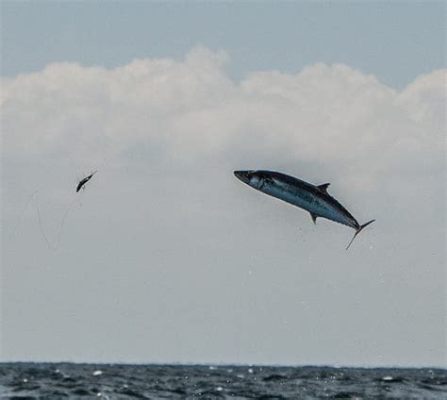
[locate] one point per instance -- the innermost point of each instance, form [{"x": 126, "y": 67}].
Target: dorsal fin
[
  {"x": 323, "y": 187},
  {"x": 314, "y": 218}
]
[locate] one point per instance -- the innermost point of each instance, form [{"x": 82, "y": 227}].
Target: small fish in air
[{"x": 82, "y": 182}]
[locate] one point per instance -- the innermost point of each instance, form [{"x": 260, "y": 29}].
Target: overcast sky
[{"x": 166, "y": 256}]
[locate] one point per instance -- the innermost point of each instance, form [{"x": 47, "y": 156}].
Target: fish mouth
[{"x": 243, "y": 176}]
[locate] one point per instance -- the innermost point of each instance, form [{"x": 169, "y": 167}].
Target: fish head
[{"x": 251, "y": 178}]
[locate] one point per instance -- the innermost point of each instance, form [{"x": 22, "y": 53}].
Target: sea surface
[{"x": 29, "y": 381}]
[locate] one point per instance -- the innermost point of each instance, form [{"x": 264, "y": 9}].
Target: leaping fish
[
  {"x": 314, "y": 199},
  {"x": 81, "y": 184}
]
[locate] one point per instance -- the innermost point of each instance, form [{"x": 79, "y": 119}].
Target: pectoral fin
[
  {"x": 314, "y": 218},
  {"x": 324, "y": 187}
]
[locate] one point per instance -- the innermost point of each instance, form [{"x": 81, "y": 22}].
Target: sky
[{"x": 167, "y": 257}]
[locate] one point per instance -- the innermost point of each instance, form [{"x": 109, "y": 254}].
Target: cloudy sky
[{"x": 166, "y": 257}]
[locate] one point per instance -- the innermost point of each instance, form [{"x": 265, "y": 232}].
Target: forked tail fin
[{"x": 358, "y": 231}]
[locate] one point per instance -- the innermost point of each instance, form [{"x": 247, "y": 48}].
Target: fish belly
[{"x": 309, "y": 202}]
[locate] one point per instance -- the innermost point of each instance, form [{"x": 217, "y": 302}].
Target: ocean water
[{"x": 106, "y": 381}]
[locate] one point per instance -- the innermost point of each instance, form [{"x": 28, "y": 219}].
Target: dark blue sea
[{"x": 30, "y": 381}]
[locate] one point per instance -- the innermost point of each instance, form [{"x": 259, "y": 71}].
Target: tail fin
[{"x": 358, "y": 231}]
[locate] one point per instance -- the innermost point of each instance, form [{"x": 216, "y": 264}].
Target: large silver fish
[{"x": 314, "y": 199}]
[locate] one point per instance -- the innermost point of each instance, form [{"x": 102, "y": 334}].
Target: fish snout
[{"x": 243, "y": 176}]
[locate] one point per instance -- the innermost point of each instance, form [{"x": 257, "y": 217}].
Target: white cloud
[{"x": 189, "y": 109}]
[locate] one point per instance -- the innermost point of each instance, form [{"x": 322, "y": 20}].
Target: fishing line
[
  {"x": 42, "y": 231},
  {"x": 62, "y": 224},
  {"x": 35, "y": 201},
  {"x": 71, "y": 206}
]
